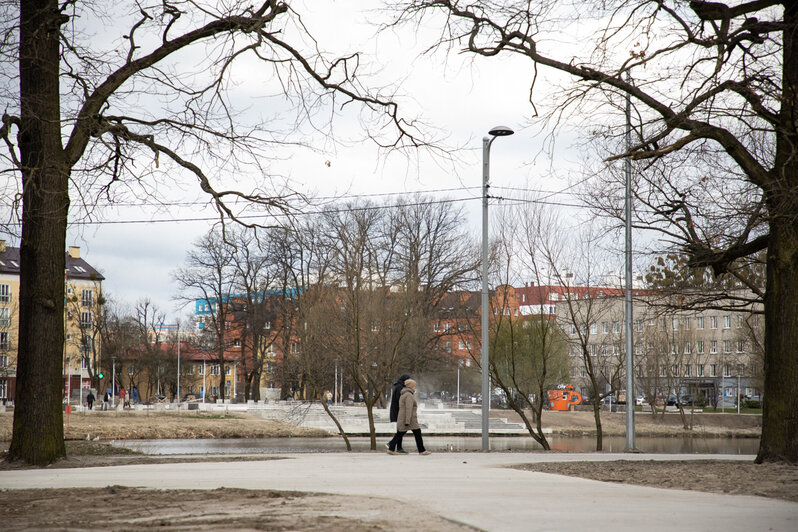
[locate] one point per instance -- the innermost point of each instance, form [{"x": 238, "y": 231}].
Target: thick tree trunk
[
  {"x": 38, "y": 436},
  {"x": 780, "y": 410}
]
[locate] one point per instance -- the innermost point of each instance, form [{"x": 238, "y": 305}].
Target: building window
[
  {"x": 727, "y": 346},
  {"x": 131, "y": 370},
  {"x": 688, "y": 348},
  {"x": 675, "y": 323},
  {"x": 639, "y": 325},
  {"x": 727, "y": 321},
  {"x": 713, "y": 322},
  {"x": 468, "y": 346},
  {"x": 294, "y": 347},
  {"x": 85, "y": 320},
  {"x": 4, "y": 340},
  {"x": 436, "y": 327},
  {"x": 726, "y": 370},
  {"x": 663, "y": 371},
  {"x": 267, "y": 325},
  {"x": 5, "y": 317},
  {"x": 687, "y": 323},
  {"x": 700, "y": 322},
  {"x": 87, "y": 298},
  {"x": 227, "y": 370},
  {"x": 447, "y": 346},
  {"x": 582, "y": 372},
  {"x": 740, "y": 346},
  {"x": 3, "y": 389},
  {"x": 593, "y": 328},
  {"x": 190, "y": 370},
  {"x": 700, "y": 346},
  {"x": 700, "y": 370},
  {"x": 216, "y": 370},
  {"x": 616, "y": 326},
  {"x": 713, "y": 346},
  {"x": 201, "y": 369},
  {"x": 688, "y": 370},
  {"x": 3, "y": 361},
  {"x": 237, "y": 342},
  {"x": 5, "y": 293},
  {"x": 460, "y": 345},
  {"x": 739, "y": 322},
  {"x": 713, "y": 370},
  {"x": 446, "y": 327}
]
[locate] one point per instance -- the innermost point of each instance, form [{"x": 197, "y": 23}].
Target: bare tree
[
  {"x": 713, "y": 87},
  {"x": 127, "y": 113},
  {"x": 209, "y": 279},
  {"x": 530, "y": 353}
]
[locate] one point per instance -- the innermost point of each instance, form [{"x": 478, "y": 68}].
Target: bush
[{"x": 752, "y": 403}]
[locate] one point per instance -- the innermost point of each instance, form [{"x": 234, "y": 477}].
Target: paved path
[{"x": 471, "y": 488}]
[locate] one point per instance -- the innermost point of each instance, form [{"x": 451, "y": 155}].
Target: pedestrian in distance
[
  {"x": 122, "y": 397},
  {"x": 395, "y": 445},
  {"x": 407, "y": 418},
  {"x": 90, "y": 400},
  {"x": 106, "y": 400}
]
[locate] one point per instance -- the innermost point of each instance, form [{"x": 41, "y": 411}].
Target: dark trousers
[
  {"x": 396, "y": 442},
  {"x": 416, "y": 434}
]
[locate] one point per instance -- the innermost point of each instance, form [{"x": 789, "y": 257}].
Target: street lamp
[{"x": 498, "y": 131}]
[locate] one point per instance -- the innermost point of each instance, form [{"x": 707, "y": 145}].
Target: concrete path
[{"x": 471, "y": 488}]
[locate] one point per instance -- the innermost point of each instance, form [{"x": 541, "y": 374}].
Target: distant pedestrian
[
  {"x": 106, "y": 400},
  {"x": 396, "y": 442},
  {"x": 408, "y": 417},
  {"x": 329, "y": 397},
  {"x": 122, "y": 396},
  {"x": 135, "y": 395},
  {"x": 90, "y": 400}
]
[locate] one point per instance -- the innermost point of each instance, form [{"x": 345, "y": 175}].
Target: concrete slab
[{"x": 472, "y": 488}]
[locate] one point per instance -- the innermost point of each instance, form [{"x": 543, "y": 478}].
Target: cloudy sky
[{"x": 461, "y": 98}]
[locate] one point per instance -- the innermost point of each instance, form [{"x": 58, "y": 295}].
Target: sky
[{"x": 461, "y": 98}]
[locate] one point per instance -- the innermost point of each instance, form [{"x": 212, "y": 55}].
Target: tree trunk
[
  {"x": 780, "y": 409},
  {"x": 597, "y": 417},
  {"x": 38, "y": 436}
]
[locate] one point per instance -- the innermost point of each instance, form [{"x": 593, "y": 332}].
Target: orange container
[{"x": 563, "y": 398}]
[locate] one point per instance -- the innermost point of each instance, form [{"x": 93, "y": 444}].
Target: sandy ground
[{"x": 120, "y": 508}]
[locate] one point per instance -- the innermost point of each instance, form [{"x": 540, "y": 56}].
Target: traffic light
[{"x": 100, "y": 375}]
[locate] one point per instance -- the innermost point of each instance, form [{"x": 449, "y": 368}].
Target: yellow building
[{"x": 83, "y": 312}]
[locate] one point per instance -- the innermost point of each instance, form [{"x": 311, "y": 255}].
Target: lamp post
[
  {"x": 631, "y": 395},
  {"x": 498, "y": 131}
]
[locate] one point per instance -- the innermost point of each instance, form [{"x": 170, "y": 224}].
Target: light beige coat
[{"x": 408, "y": 411}]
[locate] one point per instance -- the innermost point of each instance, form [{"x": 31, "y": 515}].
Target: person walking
[
  {"x": 122, "y": 397},
  {"x": 398, "y": 386},
  {"x": 407, "y": 418},
  {"x": 90, "y": 400}
]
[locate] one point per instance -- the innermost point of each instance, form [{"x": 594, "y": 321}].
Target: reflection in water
[{"x": 685, "y": 445}]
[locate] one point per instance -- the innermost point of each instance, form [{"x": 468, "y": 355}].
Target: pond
[{"x": 616, "y": 444}]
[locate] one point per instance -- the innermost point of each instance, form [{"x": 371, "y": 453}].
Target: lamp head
[{"x": 501, "y": 131}]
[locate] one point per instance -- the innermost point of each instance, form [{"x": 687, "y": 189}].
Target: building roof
[{"x": 76, "y": 268}]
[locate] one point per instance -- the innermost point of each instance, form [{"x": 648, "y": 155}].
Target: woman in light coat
[{"x": 408, "y": 416}]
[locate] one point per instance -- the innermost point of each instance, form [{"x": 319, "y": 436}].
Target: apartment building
[
  {"x": 83, "y": 304},
  {"x": 710, "y": 356}
]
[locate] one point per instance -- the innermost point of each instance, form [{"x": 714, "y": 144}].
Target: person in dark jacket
[
  {"x": 395, "y": 445},
  {"x": 90, "y": 400}
]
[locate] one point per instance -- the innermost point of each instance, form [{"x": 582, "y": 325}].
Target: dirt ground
[{"x": 120, "y": 508}]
